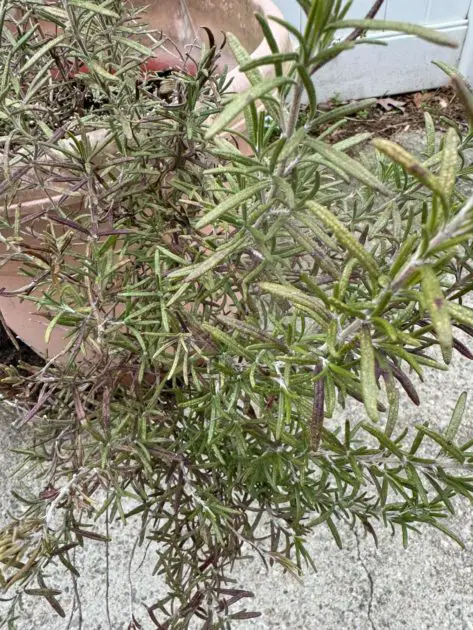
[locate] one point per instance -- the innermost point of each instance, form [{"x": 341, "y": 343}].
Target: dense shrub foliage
[{"x": 222, "y": 303}]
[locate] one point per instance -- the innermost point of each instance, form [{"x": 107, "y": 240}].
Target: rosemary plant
[{"x": 222, "y": 305}]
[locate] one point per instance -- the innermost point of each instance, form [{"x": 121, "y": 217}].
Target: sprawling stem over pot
[{"x": 228, "y": 305}]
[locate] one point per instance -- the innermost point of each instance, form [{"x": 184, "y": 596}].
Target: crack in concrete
[{"x": 370, "y": 581}]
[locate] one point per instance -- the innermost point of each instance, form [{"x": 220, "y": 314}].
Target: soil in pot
[{"x": 11, "y": 354}]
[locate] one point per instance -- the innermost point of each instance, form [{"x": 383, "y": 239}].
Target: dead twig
[{"x": 372, "y": 13}]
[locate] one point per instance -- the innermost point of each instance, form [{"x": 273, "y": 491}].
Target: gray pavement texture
[{"x": 427, "y": 586}]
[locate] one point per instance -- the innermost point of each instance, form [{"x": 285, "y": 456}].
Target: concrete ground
[{"x": 427, "y": 586}]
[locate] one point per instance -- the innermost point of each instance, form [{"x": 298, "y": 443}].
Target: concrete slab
[{"x": 428, "y": 586}]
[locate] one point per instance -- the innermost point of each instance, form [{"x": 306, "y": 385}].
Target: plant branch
[
  {"x": 354, "y": 35},
  {"x": 372, "y": 13},
  {"x": 64, "y": 492},
  {"x": 451, "y": 230}
]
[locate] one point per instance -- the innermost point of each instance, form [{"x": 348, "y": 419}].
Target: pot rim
[{"x": 28, "y": 200}]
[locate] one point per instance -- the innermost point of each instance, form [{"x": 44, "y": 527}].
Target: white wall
[
  {"x": 291, "y": 10},
  {"x": 420, "y": 11},
  {"x": 405, "y": 65}
]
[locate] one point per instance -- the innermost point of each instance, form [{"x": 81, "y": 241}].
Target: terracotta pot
[{"x": 181, "y": 26}]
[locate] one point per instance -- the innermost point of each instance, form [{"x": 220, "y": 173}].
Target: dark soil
[
  {"x": 9, "y": 355},
  {"x": 402, "y": 113}
]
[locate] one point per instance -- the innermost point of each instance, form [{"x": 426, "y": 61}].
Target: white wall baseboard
[{"x": 405, "y": 65}]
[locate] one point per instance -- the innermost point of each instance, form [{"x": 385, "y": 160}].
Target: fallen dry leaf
[
  {"x": 418, "y": 99},
  {"x": 390, "y": 103}
]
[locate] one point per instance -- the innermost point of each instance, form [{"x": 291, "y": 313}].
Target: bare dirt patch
[{"x": 406, "y": 112}]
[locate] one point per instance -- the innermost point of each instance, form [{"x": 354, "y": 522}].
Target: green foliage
[{"x": 222, "y": 306}]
